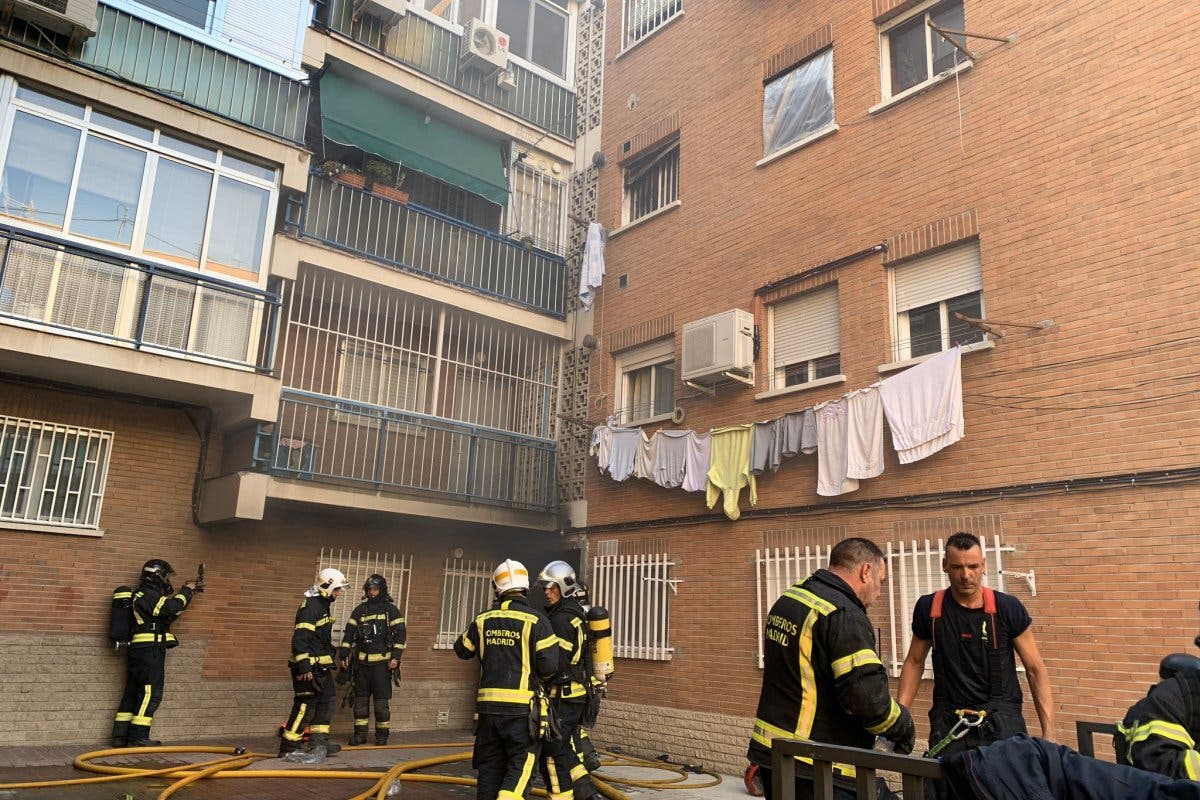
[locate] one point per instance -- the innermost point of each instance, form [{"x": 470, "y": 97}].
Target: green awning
[{"x": 355, "y": 115}]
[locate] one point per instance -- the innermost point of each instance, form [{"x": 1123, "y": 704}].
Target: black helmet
[
  {"x": 158, "y": 572},
  {"x": 379, "y": 582}
]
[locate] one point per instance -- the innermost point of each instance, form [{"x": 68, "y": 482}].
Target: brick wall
[{"x": 1080, "y": 184}]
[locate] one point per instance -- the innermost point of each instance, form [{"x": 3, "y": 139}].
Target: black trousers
[
  {"x": 312, "y": 706},
  {"x": 505, "y": 756},
  {"x": 842, "y": 789},
  {"x": 1000, "y": 723},
  {"x": 562, "y": 759},
  {"x": 145, "y": 671},
  {"x": 372, "y": 681}
]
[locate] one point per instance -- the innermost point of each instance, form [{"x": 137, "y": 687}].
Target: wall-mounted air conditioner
[
  {"x": 719, "y": 348},
  {"x": 388, "y": 11},
  {"x": 76, "y": 18},
  {"x": 483, "y": 47}
]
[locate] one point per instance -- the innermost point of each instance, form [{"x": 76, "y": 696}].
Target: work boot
[
  {"x": 118, "y": 741},
  {"x": 381, "y": 737},
  {"x": 358, "y": 737},
  {"x": 286, "y": 746},
  {"x": 320, "y": 741},
  {"x": 144, "y": 743}
]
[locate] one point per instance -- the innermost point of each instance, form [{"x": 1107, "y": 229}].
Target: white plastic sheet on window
[{"x": 798, "y": 103}]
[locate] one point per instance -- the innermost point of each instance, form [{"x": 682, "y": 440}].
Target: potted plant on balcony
[
  {"x": 384, "y": 180},
  {"x": 343, "y": 174}
]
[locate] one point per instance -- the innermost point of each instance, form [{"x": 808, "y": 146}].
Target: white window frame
[
  {"x": 964, "y": 277},
  {"x": 154, "y": 151},
  {"x": 648, "y": 9},
  {"x": 466, "y": 590},
  {"x": 537, "y": 207},
  {"x": 915, "y": 569},
  {"x": 28, "y": 488},
  {"x": 357, "y": 566},
  {"x": 824, "y": 55},
  {"x": 654, "y": 354},
  {"x": 489, "y": 16},
  {"x": 816, "y": 302},
  {"x": 636, "y": 591},
  {"x": 663, "y": 177},
  {"x": 885, "y": 55},
  {"x": 393, "y": 363}
]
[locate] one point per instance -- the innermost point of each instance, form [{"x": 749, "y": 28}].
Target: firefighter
[
  {"x": 155, "y": 607},
  {"x": 517, "y": 651},
  {"x": 822, "y": 679},
  {"x": 312, "y": 669},
  {"x": 374, "y": 639},
  {"x": 1160, "y": 732},
  {"x": 563, "y": 769}
]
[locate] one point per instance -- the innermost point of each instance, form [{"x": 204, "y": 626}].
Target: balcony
[
  {"x": 329, "y": 439},
  {"x": 166, "y": 63},
  {"x": 433, "y": 50},
  {"x": 424, "y": 242}
]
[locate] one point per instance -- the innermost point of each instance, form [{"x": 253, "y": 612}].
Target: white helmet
[
  {"x": 329, "y": 579},
  {"x": 560, "y": 574},
  {"x": 510, "y": 576}
]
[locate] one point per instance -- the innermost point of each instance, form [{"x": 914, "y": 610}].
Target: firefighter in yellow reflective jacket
[
  {"x": 155, "y": 606},
  {"x": 517, "y": 651},
  {"x": 822, "y": 679},
  {"x": 1161, "y": 732},
  {"x": 312, "y": 669}
]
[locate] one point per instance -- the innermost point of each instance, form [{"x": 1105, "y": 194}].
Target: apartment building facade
[
  {"x": 831, "y": 188},
  {"x": 274, "y": 298}
]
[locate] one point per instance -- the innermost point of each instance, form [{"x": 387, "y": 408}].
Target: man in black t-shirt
[{"x": 975, "y": 634}]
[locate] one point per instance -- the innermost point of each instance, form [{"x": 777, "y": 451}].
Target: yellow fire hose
[{"x": 234, "y": 759}]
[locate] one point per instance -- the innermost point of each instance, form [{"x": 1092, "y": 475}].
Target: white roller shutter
[
  {"x": 272, "y": 28},
  {"x": 805, "y": 327},
  {"x": 950, "y": 273}
]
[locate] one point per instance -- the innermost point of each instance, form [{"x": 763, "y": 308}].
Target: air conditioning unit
[
  {"x": 76, "y": 18},
  {"x": 388, "y": 11},
  {"x": 506, "y": 80},
  {"x": 719, "y": 348},
  {"x": 483, "y": 47}
]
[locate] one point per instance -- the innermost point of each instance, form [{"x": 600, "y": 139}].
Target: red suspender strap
[{"x": 935, "y": 614}]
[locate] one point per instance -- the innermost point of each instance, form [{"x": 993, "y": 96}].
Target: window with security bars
[
  {"x": 536, "y": 208},
  {"x": 915, "y": 569},
  {"x": 380, "y": 376},
  {"x": 805, "y": 338},
  {"x": 643, "y": 17},
  {"x": 466, "y": 590},
  {"x": 928, "y": 292},
  {"x": 636, "y": 590},
  {"x": 776, "y": 569},
  {"x": 652, "y": 180},
  {"x": 357, "y": 566},
  {"x": 52, "y": 474}
]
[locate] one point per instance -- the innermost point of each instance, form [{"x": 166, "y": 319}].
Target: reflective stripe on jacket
[
  {"x": 312, "y": 637},
  {"x": 377, "y": 630},
  {"x": 1160, "y": 731},
  {"x": 517, "y": 650},
  {"x": 153, "y": 613}
]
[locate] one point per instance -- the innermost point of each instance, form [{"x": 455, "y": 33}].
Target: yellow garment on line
[{"x": 729, "y": 468}]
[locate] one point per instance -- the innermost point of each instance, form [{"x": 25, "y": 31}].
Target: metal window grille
[
  {"x": 777, "y": 568},
  {"x": 636, "y": 590},
  {"x": 643, "y": 17},
  {"x": 652, "y": 184},
  {"x": 537, "y": 208},
  {"x": 915, "y": 569},
  {"x": 52, "y": 474},
  {"x": 357, "y": 566},
  {"x": 466, "y": 590}
]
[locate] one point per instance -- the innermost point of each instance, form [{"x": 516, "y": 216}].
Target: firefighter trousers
[
  {"x": 562, "y": 759},
  {"x": 312, "y": 706},
  {"x": 505, "y": 756},
  {"x": 146, "y": 668},
  {"x": 372, "y": 681}
]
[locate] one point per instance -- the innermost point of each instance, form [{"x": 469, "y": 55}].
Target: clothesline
[{"x": 923, "y": 407}]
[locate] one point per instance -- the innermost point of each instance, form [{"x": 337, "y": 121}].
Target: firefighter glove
[{"x": 904, "y": 733}]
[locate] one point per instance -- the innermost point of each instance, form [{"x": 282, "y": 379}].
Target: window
[
  {"x": 643, "y": 17},
  {"x": 646, "y": 382},
  {"x": 193, "y": 12},
  {"x": 799, "y": 103},
  {"x": 357, "y": 566},
  {"x": 913, "y": 53},
  {"x": 928, "y": 292},
  {"x": 537, "y": 207},
  {"x": 466, "y": 590},
  {"x": 425, "y": 190},
  {"x": 112, "y": 182},
  {"x": 382, "y": 376},
  {"x": 459, "y": 11},
  {"x": 537, "y": 31},
  {"x": 805, "y": 338},
  {"x": 776, "y": 569},
  {"x": 52, "y": 474},
  {"x": 636, "y": 590},
  {"x": 652, "y": 180}
]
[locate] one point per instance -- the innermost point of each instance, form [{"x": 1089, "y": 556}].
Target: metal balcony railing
[
  {"x": 433, "y": 49},
  {"x": 94, "y": 294},
  {"x": 338, "y": 440},
  {"x": 915, "y": 773},
  {"x": 422, "y": 241},
  {"x": 167, "y": 63}
]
